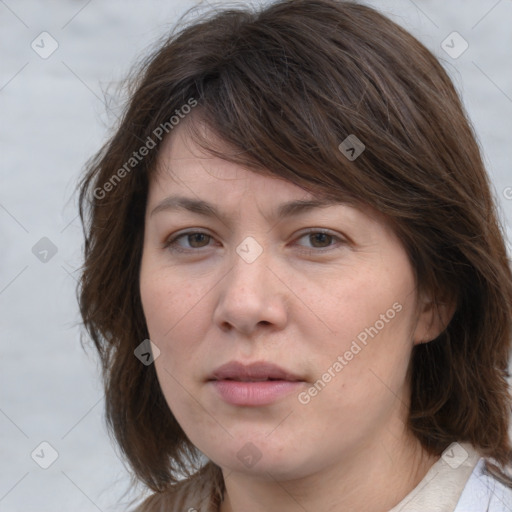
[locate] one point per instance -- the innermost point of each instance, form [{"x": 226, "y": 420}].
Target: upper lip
[{"x": 258, "y": 371}]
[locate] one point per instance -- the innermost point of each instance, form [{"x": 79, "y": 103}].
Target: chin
[{"x": 260, "y": 457}]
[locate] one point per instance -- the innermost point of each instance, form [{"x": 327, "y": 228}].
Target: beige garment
[
  {"x": 438, "y": 491},
  {"x": 195, "y": 494},
  {"x": 441, "y": 487}
]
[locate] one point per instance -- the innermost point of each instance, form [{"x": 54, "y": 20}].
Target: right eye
[{"x": 194, "y": 239}]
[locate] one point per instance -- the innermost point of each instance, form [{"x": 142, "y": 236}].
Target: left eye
[{"x": 319, "y": 239}]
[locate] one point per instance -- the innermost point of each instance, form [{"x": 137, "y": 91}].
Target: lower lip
[{"x": 254, "y": 393}]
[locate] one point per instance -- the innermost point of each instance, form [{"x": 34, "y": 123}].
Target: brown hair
[{"x": 284, "y": 86}]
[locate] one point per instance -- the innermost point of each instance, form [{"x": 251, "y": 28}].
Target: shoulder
[
  {"x": 194, "y": 494},
  {"x": 484, "y": 493}
]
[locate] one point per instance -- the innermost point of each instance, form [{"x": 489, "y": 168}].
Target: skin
[{"x": 300, "y": 305}]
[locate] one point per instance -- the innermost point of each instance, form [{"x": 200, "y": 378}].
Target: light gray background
[{"x": 53, "y": 118}]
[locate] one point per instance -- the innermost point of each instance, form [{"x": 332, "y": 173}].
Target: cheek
[
  {"x": 158, "y": 307},
  {"x": 178, "y": 316},
  {"x": 168, "y": 303},
  {"x": 173, "y": 314},
  {"x": 366, "y": 349},
  {"x": 364, "y": 307}
]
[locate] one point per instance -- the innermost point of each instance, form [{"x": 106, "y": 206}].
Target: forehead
[
  {"x": 183, "y": 165},
  {"x": 185, "y": 170}
]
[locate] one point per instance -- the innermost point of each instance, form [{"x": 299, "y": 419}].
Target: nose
[{"x": 251, "y": 298}]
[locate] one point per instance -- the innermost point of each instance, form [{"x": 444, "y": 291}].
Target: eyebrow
[{"x": 207, "y": 209}]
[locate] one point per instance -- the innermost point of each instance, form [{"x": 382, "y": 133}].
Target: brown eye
[
  {"x": 198, "y": 239},
  {"x": 320, "y": 239},
  {"x": 319, "y": 242},
  {"x": 193, "y": 240}
]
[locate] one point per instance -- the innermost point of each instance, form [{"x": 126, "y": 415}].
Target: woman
[{"x": 294, "y": 274}]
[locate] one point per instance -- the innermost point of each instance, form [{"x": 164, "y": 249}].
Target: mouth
[
  {"x": 254, "y": 372},
  {"x": 248, "y": 379},
  {"x": 256, "y": 384}
]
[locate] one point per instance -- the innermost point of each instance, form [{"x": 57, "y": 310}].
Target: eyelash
[{"x": 172, "y": 243}]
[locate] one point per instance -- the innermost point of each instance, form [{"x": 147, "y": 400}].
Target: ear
[{"x": 433, "y": 319}]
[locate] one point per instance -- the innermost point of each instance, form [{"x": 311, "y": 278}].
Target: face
[{"x": 239, "y": 286}]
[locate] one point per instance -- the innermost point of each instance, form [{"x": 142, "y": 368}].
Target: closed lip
[{"x": 253, "y": 372}]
